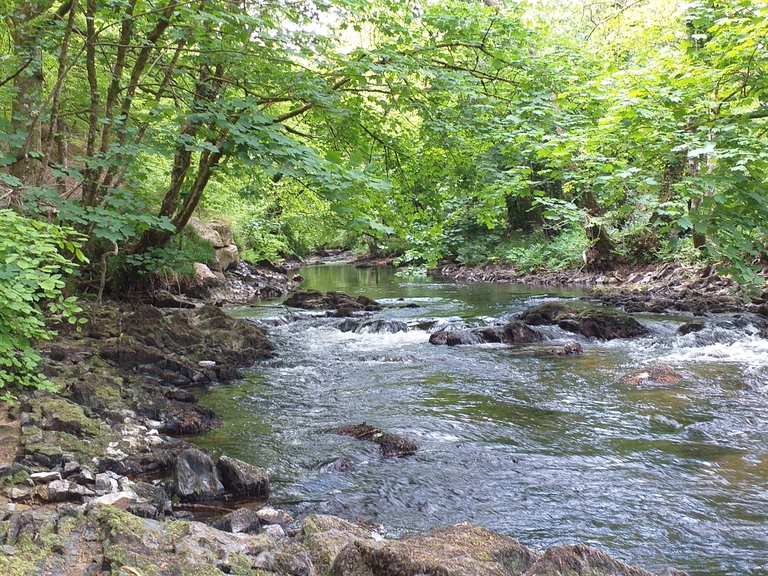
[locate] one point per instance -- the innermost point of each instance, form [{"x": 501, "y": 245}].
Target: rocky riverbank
[
  {"x": 655, "y": 288},
  {"x": 99, "y": 479}
]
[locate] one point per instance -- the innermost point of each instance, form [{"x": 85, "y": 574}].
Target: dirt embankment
[{"x": 657, "y": 288}]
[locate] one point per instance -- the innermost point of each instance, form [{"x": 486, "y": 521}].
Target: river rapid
[{"x": 550, "y": 450}]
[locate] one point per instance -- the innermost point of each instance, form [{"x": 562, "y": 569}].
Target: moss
[
  {"x": 178, "y": 529},
  {"x": 119, "y": 522},
  {"x": 63, "y": 413},
  {"x": 29, "y": 556}
]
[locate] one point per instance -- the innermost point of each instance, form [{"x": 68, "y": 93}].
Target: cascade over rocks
[
  {"x": 372, "y": 326},
  {"x": 514, "y": 332},
  {"x": 590, "y": 322}
]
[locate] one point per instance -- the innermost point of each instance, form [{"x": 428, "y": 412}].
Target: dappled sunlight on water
[{"x": 548, "y": 449}]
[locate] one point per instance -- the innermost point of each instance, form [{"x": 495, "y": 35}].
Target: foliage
[
  {"x": 36, "y": 260},
  {"x": 474, "y": 131}
]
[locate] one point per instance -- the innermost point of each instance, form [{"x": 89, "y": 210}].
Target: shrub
[
  {"x": 563, "y": 252},
  {"x": 36, "y": 259}
]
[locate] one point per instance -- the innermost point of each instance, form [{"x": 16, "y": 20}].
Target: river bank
[{"x": 652, "y": 288}]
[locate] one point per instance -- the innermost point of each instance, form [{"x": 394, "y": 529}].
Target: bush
[
  {"x": 36, "y": 259},
  {"x": 564, "y": 252}
]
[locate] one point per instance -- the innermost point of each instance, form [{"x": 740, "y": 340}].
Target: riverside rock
[
  {"x": 599, "y": 323},
  {"x": 461, "y": 550},
  {"x": 242, "y": 479},
  {"x": 195, "y": 476}
]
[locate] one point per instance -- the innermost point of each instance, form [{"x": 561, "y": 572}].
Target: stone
[
  {"x": 580, "y": 560},
  {"x": 205, "y": 232},
  {"x": 245, "y": 520},
  {"x": 63, "y": 490},
  {"x": 17, "y": 493},
  {"x": 597, "y": 323},
  {"x": 242, "y": 479},
  {"x": 325, "y": 536},
  {"x": 105, "y": 483},
  {"x": 691, "y": 327},
  {"x": 195, "y": 477},
  {"x": 70, "y": 468},
  {"x": 289, "y": 559},
  {"x": 121, "y": 500},
  {"x": 227, "y": 257},
  {"x": 269, "y": 515},
  {"x": 207, "y": 364},
  {"x": 461, "y": 550},
  {"x": 512, "y": 333},
  {"x": 274, "y": 530},
  {"x": 45, "y": 477},
  {"x": 390, "y": 444},
  {"x": 653, "y": 376},
  {"x": 344, "y": 304}
]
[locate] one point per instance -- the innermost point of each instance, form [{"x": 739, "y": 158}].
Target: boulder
[
  {"x": 597, "y": 323},
  {"x": 512, "y": 333},
  {"x": 344, "y": 304},
  {"x": 372, "y": 326},
  {"x": 122, "y": 500},
  {"x": 202, "y": 281},
  {"x": 227, "y": 257},
  {"x": 289, "y": 559},
  {"x": 195, "y": 477},
  {"x": 691, "y": 327},
  {"x": 580, "y": 560},
  {"x": 242, "y": 479},
  {"x": 461, "y": 550},
  {"x": 45, "y": 477},
  {"x": 390, "y": 444},
  {"x": 243, "y": 520},
  {"x": 269, "y": 515},
  {"x": 64, "y": 490},
  {"x": 206, "y": 232},
  {"x": 326, "y": 536},
  {"x": 224, "y": 230}
]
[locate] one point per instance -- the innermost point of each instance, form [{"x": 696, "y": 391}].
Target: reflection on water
[{"x": 550, "y": 450}]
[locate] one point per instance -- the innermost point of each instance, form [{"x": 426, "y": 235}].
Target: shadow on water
[{"x": 550, "y": 450}]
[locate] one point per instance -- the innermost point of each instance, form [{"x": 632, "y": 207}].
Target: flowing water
[{"x": 550, "y": 450}]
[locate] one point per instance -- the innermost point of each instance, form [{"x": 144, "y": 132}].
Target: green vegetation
[{"x": 547, "y": 134}]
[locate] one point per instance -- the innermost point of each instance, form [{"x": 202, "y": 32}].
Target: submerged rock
[
  {"x": 514, "y": 332},
  {"x": 590, "y": 322},
  {"x": 391, "y": 444},
  {"x": 654, "y": 376}
]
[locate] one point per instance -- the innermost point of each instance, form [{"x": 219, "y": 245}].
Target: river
[{"x": 550, "y": 450}]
